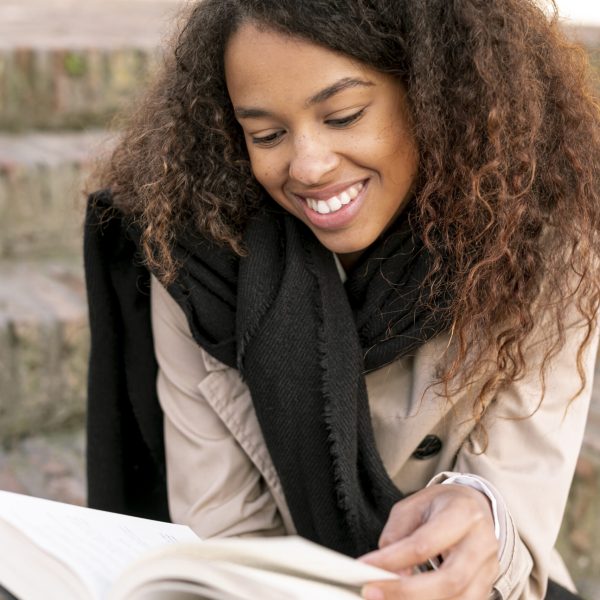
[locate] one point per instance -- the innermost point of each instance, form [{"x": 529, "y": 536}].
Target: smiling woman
[
  {"x": 328, "y": 138},
  {"x": 343, "y": 282}
]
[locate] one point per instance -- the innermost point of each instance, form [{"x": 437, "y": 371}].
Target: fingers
[
  {"x": 405, "y": 516},
  {"x": 475, "y": 554},
  {"x": 468, "y": 573},
  {"x": 452, "y": 521},
  {"x": 444, "y": 530},
  {"x": 431, "y": 586},
  {"x": 416, "y": 510}
]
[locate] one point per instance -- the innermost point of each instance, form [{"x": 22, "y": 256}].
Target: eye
[
  {"x": 346, "y": 121},
  {"x": 267, "y": 141}
]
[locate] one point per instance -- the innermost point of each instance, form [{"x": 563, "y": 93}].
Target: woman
[{"x": 372, "y": 233}]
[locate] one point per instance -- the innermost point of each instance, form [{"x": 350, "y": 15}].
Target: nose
[{"x": 312, "y": 160}]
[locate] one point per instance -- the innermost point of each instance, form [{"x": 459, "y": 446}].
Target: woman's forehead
[{"x": 260, "y": 62}]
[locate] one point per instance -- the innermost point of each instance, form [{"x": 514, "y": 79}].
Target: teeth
[
  {"x": 323, "y": 207},
  {"x": 355, "y": 190},
  {"x": 345, "y": 198},
  {"x": 334, "y": 203}
]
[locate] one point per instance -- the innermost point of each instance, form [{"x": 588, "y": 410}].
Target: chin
[{"x": 346, "y": 246}]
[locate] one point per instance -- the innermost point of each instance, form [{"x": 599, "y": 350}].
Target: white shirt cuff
[{"x": 476, "y": 483}]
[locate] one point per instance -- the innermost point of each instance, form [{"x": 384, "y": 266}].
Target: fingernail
[{"x": 370, "y": 592}]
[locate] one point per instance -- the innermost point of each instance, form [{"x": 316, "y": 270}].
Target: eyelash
[
  {"x": 270, "y": 140},
  {"x": 346, "y": 121}
]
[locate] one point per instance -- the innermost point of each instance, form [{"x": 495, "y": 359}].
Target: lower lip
[{"x": 338, "y": 219}]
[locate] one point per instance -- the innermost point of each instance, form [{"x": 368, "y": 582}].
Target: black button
[{"x": 430, "y": 446}]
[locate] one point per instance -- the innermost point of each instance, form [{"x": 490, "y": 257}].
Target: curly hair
[{"x": 507, "y": 128}]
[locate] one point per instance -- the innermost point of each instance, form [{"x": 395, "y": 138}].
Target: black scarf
[{"x": 303, "y": 340}]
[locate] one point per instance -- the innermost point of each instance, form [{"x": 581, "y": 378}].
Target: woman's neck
[{"x": 349, "y": 260}]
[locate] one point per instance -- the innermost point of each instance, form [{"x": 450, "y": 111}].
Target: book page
[
  {"x": 249, "y": 568},
  {"x": 172, "y": 574},
  {"x": 97, "y": 545},
  {"x": 292, "y": 554}
]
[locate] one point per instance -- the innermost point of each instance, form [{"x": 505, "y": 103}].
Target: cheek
[
  {"x": 261, "y": 173},
  {"x": 380, "y": 150},
  {"x": 398, "y": 158},
  {"x": 264, "y": 170}
]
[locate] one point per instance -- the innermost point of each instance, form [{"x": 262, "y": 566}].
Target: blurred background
[
  {"x": 66, "y": 68},
  {"x": 581, "y": 11}
]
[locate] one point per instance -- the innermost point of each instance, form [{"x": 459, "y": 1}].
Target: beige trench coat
[{"x": 222, "y": 482}]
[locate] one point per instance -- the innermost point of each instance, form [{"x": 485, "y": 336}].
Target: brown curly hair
[{"x": 508, "y": 190}]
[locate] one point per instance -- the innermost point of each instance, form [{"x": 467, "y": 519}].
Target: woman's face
[{"x": 329, "y": 139}]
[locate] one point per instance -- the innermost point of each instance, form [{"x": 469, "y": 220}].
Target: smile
[{"x": 336, "y": 202}]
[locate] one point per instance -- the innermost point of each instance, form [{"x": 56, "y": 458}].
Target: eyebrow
[{"x": 326, "y": 93}]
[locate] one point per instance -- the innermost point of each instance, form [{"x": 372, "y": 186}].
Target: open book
[{"x": 58, "y": 551}]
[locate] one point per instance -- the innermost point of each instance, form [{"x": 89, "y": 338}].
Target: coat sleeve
[
  {"x": 213, "y": 485},
  {"x": 532, "y": 448}
]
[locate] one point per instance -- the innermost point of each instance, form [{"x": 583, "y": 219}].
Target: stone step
[
  {"x": 44, "y": 341},
  {"x": 49, "y": 465},
  {"x": 73, "y": 63},
  {"x": 41, "y": 183},
  {"x": 69, "y": 88}
]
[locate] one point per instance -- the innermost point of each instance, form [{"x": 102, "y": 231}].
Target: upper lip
[{"x": 328, "y": 192}]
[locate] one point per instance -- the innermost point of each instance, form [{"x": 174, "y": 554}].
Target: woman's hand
[{"x": 453, "y": 521}]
